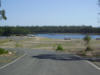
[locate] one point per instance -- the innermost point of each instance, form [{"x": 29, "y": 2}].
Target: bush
[
  {"x": 82, "y": 53},
  {"x": 88, "y": 49},
  {"x": 3, "y": 51},
  {"x": 59, "y": 48}
]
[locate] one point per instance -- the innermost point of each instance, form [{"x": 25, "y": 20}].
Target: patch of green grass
[
  {"x": 28, "y": 39},
  {"x": 42, "y": 45},
  {"x": 68, "y": 44},
  {"x": 45, "y": 39},
  {"x": 18, "y": 45},
  {"x": 3, "y": 51},
  {"x": 4, "y": 41}
]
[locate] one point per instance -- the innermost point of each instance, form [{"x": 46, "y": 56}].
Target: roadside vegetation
[
  {"x": 88, "y": 50},
  {"x": 18, "y": 45},
  {"x": 87, "y": 40},
  {"x": 2, "y": 41},
  {"x": 73, "y": 46},
  {"x": 69, "y": 46},
  {"x": 59, "y": 48},
  {"x": 3, "y": 51}
]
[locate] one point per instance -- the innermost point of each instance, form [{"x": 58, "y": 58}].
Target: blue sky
[{"x": 50, "y": 12}]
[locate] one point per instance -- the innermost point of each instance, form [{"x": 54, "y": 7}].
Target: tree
[
  {"x": 2, "y": 13},
  {"x": 87, "y": 40},
  {"x": 7, "y": 32}
]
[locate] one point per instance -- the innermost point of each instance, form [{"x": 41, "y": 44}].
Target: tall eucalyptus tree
[
  {"x": 2, "y": 13},
  {"x": 98, "y": 12}
]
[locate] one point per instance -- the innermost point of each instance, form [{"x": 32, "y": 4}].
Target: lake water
[{"x": 62, "y": 36}]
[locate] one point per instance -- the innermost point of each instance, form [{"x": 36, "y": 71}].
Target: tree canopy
[
  {"x": 2, "y": 13},
  {"x": 23, "y": 30}
]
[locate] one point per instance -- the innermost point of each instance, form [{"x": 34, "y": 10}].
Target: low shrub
[
  {"x": 3, "y": 51},
  {"x": 88, "y": 49},
  {"x": 82, "y": 53},
  {"x": 60, "y": 48},
  {"x": 96, "y": 54}
]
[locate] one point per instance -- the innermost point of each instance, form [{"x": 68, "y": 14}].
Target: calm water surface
[{"x": 62, "y": 36}]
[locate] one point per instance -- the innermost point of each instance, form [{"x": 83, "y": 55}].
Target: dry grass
[
  {"x": 50, "y": 44},
  {"x": 72, "y": 46}
]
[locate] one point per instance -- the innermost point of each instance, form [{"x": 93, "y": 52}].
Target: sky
[{"x": 50, "y": 12}]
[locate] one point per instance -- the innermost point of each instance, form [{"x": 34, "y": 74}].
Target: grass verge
[{"x": 3, "y": 51}]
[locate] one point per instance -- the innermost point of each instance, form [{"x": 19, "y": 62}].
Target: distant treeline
[{"x": 23, "y": 30}]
